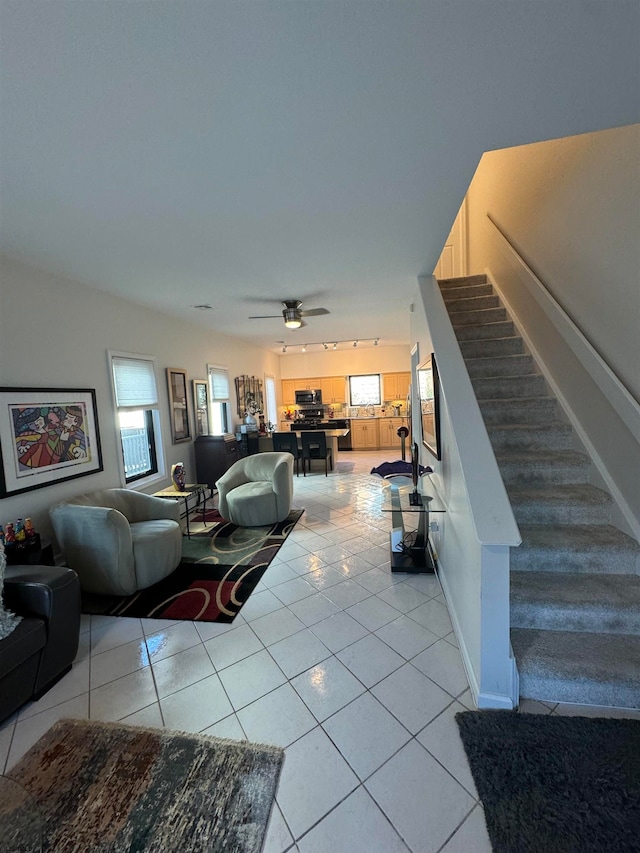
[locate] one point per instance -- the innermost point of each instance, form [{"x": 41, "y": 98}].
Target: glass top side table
[{"x": 410, "y": 552}]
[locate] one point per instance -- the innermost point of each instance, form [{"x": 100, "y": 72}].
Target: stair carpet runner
[{"x": 575, "y": 579}]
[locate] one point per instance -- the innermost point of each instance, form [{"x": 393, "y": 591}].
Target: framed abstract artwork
[
  {"x": 429, "y": 394},
  {"x": 47, "y": 435},
  {"x": 178, "y": 406},
  {"x": 201, "y": 406}
]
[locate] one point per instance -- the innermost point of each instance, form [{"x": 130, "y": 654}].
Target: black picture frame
[
  {"x": 428, "y": 388},
  {"x": 47, "y": 436}
]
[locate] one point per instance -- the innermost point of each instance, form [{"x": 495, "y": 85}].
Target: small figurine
[
  {"x": 19, "y": 531},
  {"x": 9, "y": 534},
  {"x": 29, "y": 529}
]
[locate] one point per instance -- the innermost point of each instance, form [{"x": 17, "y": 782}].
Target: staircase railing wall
[
  {"x": 604, "y": 414},
  {"x": 478, "y": 529}
]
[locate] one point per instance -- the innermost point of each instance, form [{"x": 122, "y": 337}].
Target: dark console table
[
  {"x": 38, "y": 552},
  {"x": 214, "y": 455},
  {"x": 410, "y": 551}
]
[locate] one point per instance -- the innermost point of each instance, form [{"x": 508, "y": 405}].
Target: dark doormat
[
  {"x": 219, "y": 570},
  {"x": 555, "y": 784}
]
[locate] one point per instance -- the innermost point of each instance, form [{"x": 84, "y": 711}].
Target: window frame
[
  {"x": 153, "y": 426},
  {"x": 360, "y": 376},
  {"x": 216, "y": 400}
]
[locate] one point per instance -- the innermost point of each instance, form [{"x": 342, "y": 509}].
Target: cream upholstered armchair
[
  {"x": 257, "y": 490},
  {"x": 118, "y": 541}
]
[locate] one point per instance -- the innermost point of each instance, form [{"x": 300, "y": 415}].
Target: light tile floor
[{"x": 354, "y": 671}]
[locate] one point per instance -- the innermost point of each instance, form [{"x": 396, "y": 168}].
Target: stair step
[
  {"x": 499, "y": 387},
  {"x": 491, "y": 348},
  {"x": 501, "y": 329},
  {"x": 471, "y": 303},
  {"x": 519, "y": 410},
  {"x": 560, "y": 504},
  {"x": 462, "y": 281},
  {"x": 503, "y": 365},
  {"x": 543, "y": 467},
  {"x": 544, "y": 436},
  {"x": 603, "y": 604},
  {"x": 575, "y": 548},
  {"x": 585, "y": 668},
  {"x": 481, "y": 317},
  {"x": 463, "y": 291}
]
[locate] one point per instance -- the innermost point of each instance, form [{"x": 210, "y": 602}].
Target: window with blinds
[
  {"x": 136, "y": 397},
  {"x": 220, "y": 391}
]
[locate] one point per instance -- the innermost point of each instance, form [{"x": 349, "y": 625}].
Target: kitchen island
[{"x": 332, "y": 435}]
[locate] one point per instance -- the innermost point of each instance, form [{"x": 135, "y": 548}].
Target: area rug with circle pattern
[{"x": 219, "y": 570}]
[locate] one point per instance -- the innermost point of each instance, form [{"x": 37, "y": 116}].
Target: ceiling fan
[{"x": 292, "y": 314}]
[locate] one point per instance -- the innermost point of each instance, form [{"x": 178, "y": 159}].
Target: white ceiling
[{"x": 240, "y": 153}]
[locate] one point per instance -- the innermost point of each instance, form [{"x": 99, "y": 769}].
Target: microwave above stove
[{"x": 309, "y": 398}]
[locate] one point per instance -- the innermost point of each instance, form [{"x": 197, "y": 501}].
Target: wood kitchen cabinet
[
  {"x": 395, "y": 386},
  {"x": 389, "y": 432},
  {"x": 288, "y": 392},
  {"x": 333, "y": 389},
  {"x": 364, "y": 434}
]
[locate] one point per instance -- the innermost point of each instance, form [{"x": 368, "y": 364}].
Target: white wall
[
  {"x": 56, "y": 333},
  {"x": 570, "y": 208},
  {"x": 346, "y": 360}
]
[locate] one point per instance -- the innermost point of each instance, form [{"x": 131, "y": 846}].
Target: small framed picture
[
  {"x": 178, "y": 406},
  {"x": 201, "y": 406}
]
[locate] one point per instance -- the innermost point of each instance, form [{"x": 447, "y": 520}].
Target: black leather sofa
[{"x": 43, "y": 646}]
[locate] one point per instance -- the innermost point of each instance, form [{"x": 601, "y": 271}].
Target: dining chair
[{"x": 314, "y": 446}]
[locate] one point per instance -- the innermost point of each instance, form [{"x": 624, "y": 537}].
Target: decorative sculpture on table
[{"x": 178, "y": 476}]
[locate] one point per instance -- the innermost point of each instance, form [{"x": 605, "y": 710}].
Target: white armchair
[
  {"x": 257, "y": 490},
  {"x": 118, "y": 541}
]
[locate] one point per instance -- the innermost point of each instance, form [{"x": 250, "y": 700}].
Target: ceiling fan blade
[
  {"x": 266, "y": 317},
  {"x": 313, "y": 312}
]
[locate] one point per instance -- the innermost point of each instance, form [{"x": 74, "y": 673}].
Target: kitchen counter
[{"x": 266, "y": 443}]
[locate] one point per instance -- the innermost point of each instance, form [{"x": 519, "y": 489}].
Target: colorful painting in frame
[{"x": 47, "y": 435}]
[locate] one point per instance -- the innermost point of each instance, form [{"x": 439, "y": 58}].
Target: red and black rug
[{"x": 219, "y": 570}]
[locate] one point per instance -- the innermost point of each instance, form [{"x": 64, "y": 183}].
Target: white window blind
[
  {"x": 134, "y": 381},
  {"x": 219, "y": 381}
]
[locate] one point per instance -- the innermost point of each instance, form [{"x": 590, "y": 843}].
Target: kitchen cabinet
[
  {"x": 364, "y": 434},
  {"x": 285, "y": 426},
  {"x": 308, "y": 384},
  {"x": 395, "y": 385},
  {"x": 333, "y": 389},
  {"x": 389, "y": 432},
  {"x": 288, "y": 392}
]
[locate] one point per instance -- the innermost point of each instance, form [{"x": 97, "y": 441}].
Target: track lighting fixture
[{"x": 325, "y": 346}]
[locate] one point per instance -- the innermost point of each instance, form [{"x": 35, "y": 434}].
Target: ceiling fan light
[{"x": 292, "y": 318}]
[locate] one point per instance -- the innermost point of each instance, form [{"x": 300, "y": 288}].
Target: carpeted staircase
[{"x": 575, "y": 580}]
